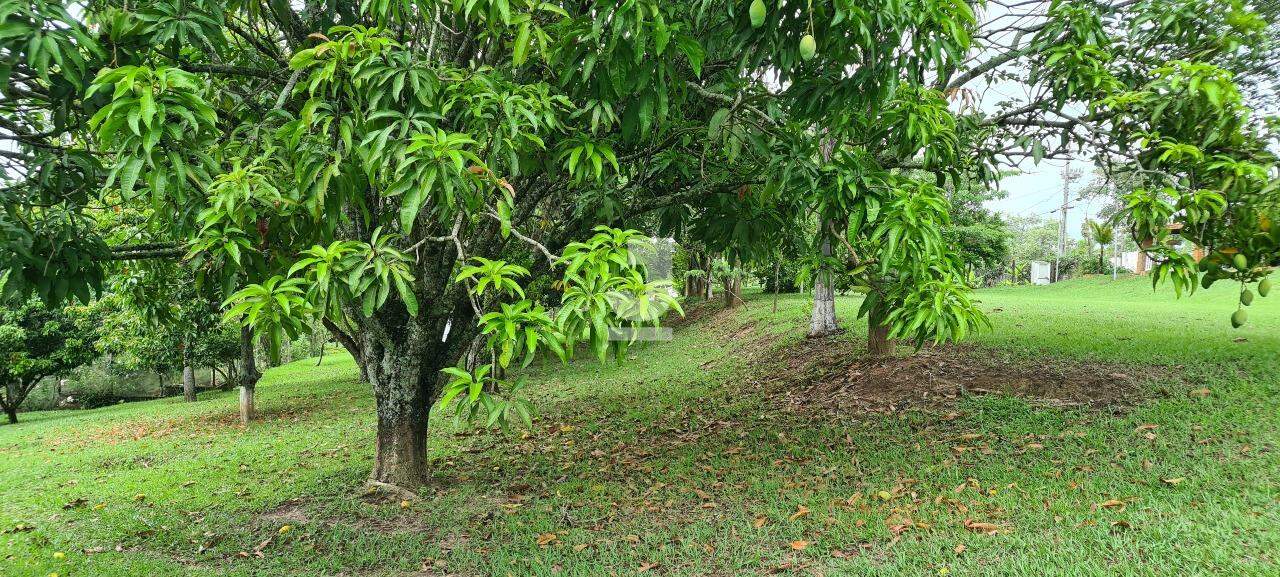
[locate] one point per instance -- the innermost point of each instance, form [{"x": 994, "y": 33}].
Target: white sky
[{"x": 1038, "y": 192}]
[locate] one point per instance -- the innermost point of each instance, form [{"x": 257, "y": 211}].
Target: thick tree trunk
[
  {"x": 823, "y": 320},
  {"x": 249, "y": 375},
  {"x": 12, "y": 412},
  {"x": 403, "y": 364},
  {"x": 188, "y": 375},
  {"x": 878, "y": 342}
]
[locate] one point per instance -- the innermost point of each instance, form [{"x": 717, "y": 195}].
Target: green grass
[{"x": 670, "y": 458}]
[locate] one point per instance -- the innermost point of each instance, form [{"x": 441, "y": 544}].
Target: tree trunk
[
  {"x": 732, "y": 292},
  {"x": 246, "y": 404},
  {"x": 403, "y": 364},
  {"x": 10, "y": 403},
  {"x": 249, "y": 375},
  {"x": 823, "y": 320},
  {"x": 402, "y": 384},
  {"x": 878, "y": 342},
  {"x": 188, "y": 375},
  {"x": 777, "y": 267}
]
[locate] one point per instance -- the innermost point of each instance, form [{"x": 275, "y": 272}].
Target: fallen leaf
[
  {"x": 646, "y": 566},
  {"x": 1146, "y": 427},
  {"x": 960, "y": 548},
  {"x": 1121, "y": 525},
  {"x": 800, "y": 512},
  {"x": 1174, "y": 481},
  {"x": 74, "y": 503},
  {"x": 983, "y": 528},
  {"x": 884, "y": 496},
  {"x": 581, "y": 546},
  {"x": 759, "y": 522},
  {"x": 546, "y": 539},
  {"x": 1112, "y": 504},
  {"x": 799, "y": 545},
  {"x": 1201, "y": 393}
]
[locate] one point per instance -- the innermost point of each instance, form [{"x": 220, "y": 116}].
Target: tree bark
[
  {"x": 732, "y": 292},
  {"x": 777, "y": 267},
  {"x": 188, "y": 375},
  {"x": 878, "y": 342},
  {"x": 402, "y": 359},
  {"x": 823, "y": 320},
  {"x": 12, "y": 412},
  {"x": 249, "y": 375}
]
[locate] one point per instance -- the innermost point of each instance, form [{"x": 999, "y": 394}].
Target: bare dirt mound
[{"x": 835, "y": 373}]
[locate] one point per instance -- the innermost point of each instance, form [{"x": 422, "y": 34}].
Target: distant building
[
  {"x": 1040, "y": 272},
  {"x": 1129, "y": 261}
]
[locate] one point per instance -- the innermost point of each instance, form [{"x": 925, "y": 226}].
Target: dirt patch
[
  {"x": 835, "y": 373},
  {"x": 290, "y": 512}
]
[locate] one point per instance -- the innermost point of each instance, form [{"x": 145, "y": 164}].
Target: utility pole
[{"x": 1068, "y": 176}]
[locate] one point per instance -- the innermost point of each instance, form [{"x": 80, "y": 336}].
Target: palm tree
[{"x": 1103, "y": 234}]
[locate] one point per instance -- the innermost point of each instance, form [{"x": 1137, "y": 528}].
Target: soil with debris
[{"x": 836, "y": 373}]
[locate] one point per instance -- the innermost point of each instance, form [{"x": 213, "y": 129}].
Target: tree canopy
[{"x": 37, "y": 341}]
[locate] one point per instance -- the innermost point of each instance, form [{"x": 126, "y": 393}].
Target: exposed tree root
[{"x": 372, "y": 486}]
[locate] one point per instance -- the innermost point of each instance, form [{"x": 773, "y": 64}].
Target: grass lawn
[{"x": 682, "y": 462}]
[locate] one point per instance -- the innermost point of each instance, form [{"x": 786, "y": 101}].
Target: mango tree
[{"x": 415, "y": 174}]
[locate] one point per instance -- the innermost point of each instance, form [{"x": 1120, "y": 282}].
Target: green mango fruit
[
  {"x": 1246, "y": 297},
  {"x": 1239, "y": 318},
  {"x": 1240, "y": 262},
  {"x": 1207, "y": 280},
  {"x": 808, "y": 47},
  {"x": 1264, "y": 287},
  {"x": 757, "y": 12}
]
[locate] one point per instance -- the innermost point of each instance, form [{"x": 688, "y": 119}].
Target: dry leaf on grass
[
  {"x": 980, "y": 527},
  {"x": 800, "y": 545},
  {"x": 800, "y": 512}
]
